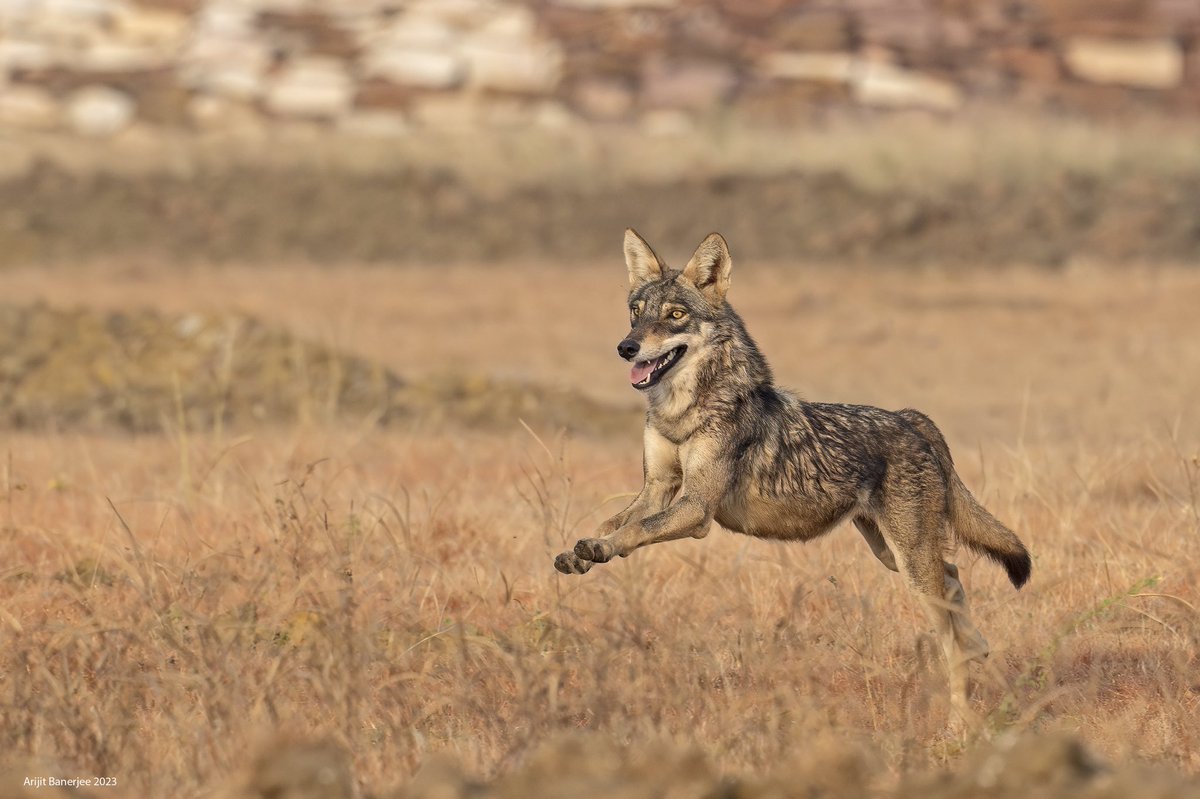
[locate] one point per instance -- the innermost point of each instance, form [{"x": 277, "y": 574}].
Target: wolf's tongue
[{"x": 639, "y": 371}]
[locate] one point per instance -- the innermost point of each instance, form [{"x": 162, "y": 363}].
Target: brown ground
[
  {"x": 416, "y": 216},
  {"x": 990, "y": 187},
  {"x": 392, "y": 589}
]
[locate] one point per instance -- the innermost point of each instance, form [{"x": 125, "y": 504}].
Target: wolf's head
[{"x": 672, "y": 313}]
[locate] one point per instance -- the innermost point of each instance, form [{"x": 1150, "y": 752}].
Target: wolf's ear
[
  {"x": 644, "y": 266},
  {"x": 710, "y": 267}
]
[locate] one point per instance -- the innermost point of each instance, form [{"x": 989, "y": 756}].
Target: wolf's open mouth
[{"x": 646, "y": 373}]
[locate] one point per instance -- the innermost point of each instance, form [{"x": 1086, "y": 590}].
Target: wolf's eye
[
  {"x": 677, "y": 314},
  {"x": 635, "y": 312}
]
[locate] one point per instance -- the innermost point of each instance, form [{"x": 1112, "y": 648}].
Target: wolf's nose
[{"x": 628, "y": 348}]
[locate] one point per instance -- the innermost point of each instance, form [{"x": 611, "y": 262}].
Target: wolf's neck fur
[
  {"x": 739, "y": 363},
  {"x": 727, "y": 368}
]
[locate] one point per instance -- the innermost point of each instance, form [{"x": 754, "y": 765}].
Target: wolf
[{"x": 723, "y": 443}]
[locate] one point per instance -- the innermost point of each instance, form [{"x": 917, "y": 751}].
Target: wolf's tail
[{"x": 973, "y": 525}]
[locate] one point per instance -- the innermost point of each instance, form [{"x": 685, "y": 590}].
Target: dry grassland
[{"x": 167, "y": 603}]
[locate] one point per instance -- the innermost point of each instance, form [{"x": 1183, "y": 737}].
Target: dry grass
[
  {"x": 915, "y": 152},
  {"x": 167, "y": 603}
]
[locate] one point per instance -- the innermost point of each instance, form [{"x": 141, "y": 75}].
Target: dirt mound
[
  {"x": 145, "y": 372},
  {"x": 417, "y": 216}
]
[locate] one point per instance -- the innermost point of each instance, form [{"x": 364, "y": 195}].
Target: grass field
[{"x": 169, "y": 603}]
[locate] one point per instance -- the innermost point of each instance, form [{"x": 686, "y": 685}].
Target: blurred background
[{"x": 198, "y": 156}]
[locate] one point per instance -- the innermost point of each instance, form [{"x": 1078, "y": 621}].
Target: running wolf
[{"x": 723, "y": 443}]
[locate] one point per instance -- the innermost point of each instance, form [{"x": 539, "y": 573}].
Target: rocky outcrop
[{"x": 198, "y": 63}]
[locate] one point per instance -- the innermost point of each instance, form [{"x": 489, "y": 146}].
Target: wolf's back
[{"x": 973, "y": 525}]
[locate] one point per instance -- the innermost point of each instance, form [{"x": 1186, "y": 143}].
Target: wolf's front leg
[
  {"x": 570, "y": 563},
  {"x": 705, "y": 476},
  {"x": 663, "y": 476},
  {"x": 689, "y": 517}
]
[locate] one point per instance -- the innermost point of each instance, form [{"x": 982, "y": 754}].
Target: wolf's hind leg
[
  {"x": 970, "y": 641},
  {"x": 870, "y": 531},
  {"x": 911, "y": 529}
]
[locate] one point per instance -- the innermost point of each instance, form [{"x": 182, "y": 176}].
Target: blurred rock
[
  {"x": 151, "y": 26},
  {"x": 550, "y": 115},
  {"x": 430, "y": 69},
  {"x": 888, "y": 86},
  {"x": 812, "y": 30},
  {"x": 414, "y": 31},
  {"x": 99, "y": 111},
  {"x": 94, "y": 10},
  {"x": 1152, "y": 64},
  {"x": 447, "y": 112},
  {"x": 610, "y": 58},
  {"x": 225, "y": 65},
  {"x": 605, "y": 100},
  {"x": 498, "y": 60},
  {"x": 603, "y": 4},
  {"x": 28, "y": 107},
  {"x": 819, "y": 67},
  {"x": 110, "y": 56},
  {"x": 25, "y": 54},
  {"x": 210, "y": 112},
  {"x": 694, "y": 85},
  {"x": 667, "y": 123},
  {"x": 311, "y": 87},
  {"x": 375, "y": 124},
  {"x": 1039, "y": 66}
]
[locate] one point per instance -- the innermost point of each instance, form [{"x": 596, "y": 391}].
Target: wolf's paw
[
  {"x": 570, "y": 563},
  {"x": 596, "y": 550}
]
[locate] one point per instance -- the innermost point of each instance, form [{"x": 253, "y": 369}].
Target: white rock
[
  {"x": 511, "y": 22},
  {"x": 235, "y": 82},
  {"x": 433, "y": 69},
  {"x": 817, "y": 67},
  {"x": 375, "y": 124},
  {"x": 278, "y": 5},
  {"x": 99, "y": 111},
  {"x": 233, "y": 67},
  {"x": 28, "y": 107},
  {"x": 224, "y": 115},
  {"x": 118, "y": 57},
  {"x": 462, "y": 13},
  {"x": 150, "y": 26},
  {"x": 14, "y": 10},
  {"x": 416, "y": 31},
  {"x": 1146, "y": 63},
  {"x": 618, "y": 3},
  {"x": 880, "y": 84},
  {"x": 494, "y": 63},
  {"x": 312, "y": 87},
  {"x": 25, "y": 54},
  {"x": 88, "y": 9},
  {"x": 224, "y": 19},
  {"x": 65, "y": 31}
]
